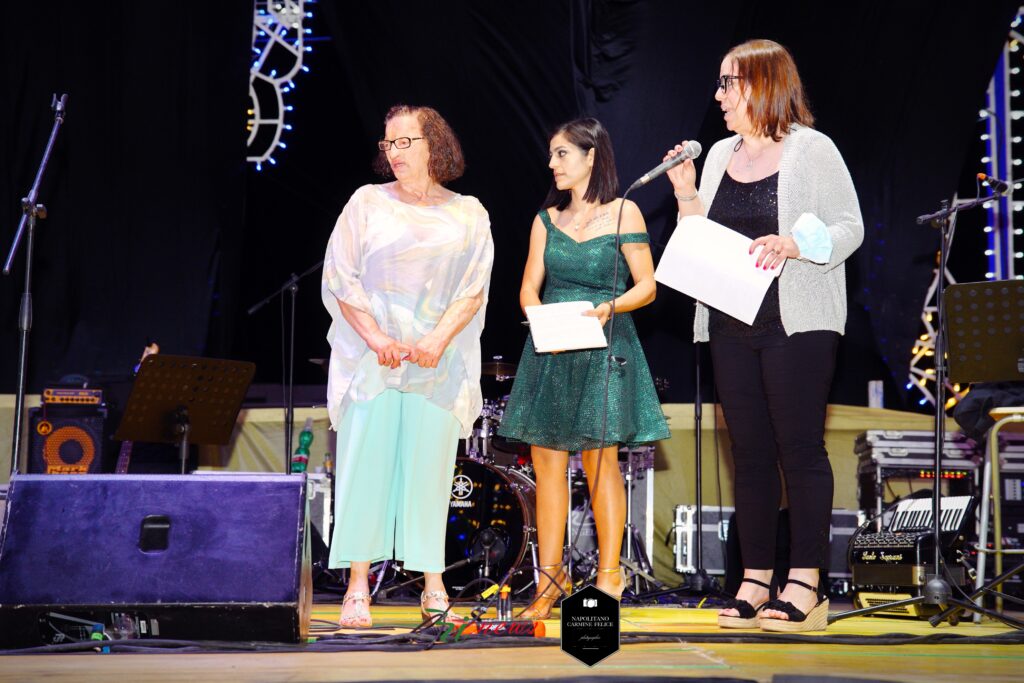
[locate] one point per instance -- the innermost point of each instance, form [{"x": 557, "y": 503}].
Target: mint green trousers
[{"x": 396, "y": 460}]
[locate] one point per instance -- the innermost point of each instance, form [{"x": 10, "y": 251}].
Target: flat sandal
[{"x": 362, "y": 618}]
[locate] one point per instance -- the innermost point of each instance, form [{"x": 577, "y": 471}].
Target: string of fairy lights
[
  {"x": 1002, "y": 135},
  {"x": 280, "y": 40}
]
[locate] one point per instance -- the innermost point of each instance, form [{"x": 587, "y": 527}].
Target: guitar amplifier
[{"x": 66, "y": 439}]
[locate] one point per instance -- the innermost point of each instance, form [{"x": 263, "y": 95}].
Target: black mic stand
[
  {"x": 30, "y": 212},
  {"x": 699, "y": 581},
  {"x": 936, "y": 590},
  {"x": 291, "y": 286}
]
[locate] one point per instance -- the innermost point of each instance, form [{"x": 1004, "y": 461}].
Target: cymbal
[{"x": 499, "y": 369}]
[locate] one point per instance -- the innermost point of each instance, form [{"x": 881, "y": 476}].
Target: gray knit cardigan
[{"x": 814, "y": 179}]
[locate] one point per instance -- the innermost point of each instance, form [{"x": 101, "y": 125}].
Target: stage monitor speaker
[
  {"x": 216, "y": 557},
  {"x": 66, "y": 439}
]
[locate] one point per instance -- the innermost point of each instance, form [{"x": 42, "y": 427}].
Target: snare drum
[{"x": 491, "y": 520}]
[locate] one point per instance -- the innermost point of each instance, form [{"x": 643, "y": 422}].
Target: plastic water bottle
[{"x": 301, "y": 458}]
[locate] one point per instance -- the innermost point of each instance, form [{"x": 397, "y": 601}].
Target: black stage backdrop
[
  {"x": 159, "y": 229},
  {"x": 146, "y": 188}
]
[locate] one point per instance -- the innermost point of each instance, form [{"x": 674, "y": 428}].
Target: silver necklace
[
  {"x": 752, "y": 160},
  {"x": 577, "y": 219}
]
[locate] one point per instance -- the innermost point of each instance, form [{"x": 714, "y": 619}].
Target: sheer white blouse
[{"x": 406, "y": 265}]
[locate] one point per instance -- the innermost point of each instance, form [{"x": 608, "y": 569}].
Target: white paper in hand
[
  {"x": 712, "y": 263},
  {"x": 563, "y": 327}
]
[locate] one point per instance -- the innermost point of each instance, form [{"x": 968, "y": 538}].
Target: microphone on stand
[
  {"x": 998, "y": 186},
  {"x": 487, "y": 540},
  {"x": 690, "y": 151}
]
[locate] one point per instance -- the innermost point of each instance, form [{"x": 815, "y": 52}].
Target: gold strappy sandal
[{"x": 545, "y": 600}]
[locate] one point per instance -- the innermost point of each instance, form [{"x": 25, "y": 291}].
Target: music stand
[
  {"x": 182, "y": 400},
  {"x": 985, "y": 323},
  {"x": 985, "y": 329}
]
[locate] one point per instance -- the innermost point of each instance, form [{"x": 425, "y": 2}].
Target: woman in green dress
[{"x": 558, "y": 400}]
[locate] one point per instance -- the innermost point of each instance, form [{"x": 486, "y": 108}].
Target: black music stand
[
  {"x": 183, "y": 400},
  {"x": 985, "y": 323}
]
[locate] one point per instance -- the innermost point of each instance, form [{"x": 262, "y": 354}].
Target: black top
[{"x": 751, "y": 209}]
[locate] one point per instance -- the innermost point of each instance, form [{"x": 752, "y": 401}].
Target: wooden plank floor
[{"x": 754, "y": 660}]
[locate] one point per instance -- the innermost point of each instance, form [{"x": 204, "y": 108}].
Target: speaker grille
[{"x": 66, "y": 440}]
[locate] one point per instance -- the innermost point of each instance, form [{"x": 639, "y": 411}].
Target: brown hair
[
  {"x": 588, "y": 134},
  {"x": 777, "y": 98},
  {"x": 445, "y": 162}
]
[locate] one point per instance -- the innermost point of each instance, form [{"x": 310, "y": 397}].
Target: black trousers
[{"x": 774, "y": 393}]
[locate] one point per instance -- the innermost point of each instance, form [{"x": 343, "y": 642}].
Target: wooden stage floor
[{"x": 694, "y": 654}]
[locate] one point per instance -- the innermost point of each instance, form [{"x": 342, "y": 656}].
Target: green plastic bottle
[{"x": 301, "y": 458}]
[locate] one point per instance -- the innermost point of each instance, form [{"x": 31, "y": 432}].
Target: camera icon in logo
[{"x": 590, "y": 602}]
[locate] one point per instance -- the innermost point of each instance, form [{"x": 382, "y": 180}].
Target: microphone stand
[
  {"x": 30, "y": 212},
  {"x": 936, "y": 590},
  {"x": 699, "y": 581},
  {"x": 291, "y": 286}
]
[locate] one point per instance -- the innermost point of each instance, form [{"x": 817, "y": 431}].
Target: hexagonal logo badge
[{"x": 590, "y": 625}]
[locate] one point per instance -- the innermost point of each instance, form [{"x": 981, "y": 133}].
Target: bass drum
[{"x": 490, "y": 523}]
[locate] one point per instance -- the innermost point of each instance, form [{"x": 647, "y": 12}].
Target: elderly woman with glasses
[
  {"x": 784, "y": 185},
  {"x": 405, "y": 280}
]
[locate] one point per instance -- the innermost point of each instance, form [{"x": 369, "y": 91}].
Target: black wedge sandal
[
  {"x": 814, "y": 620},
  {"x": 749, "y": 615}
]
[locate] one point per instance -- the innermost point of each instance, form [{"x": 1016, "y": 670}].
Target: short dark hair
[
  {"x": 446, "y": 162},
  {"x": 777, "y": 99},
  {"x": 588, "y": 134}
]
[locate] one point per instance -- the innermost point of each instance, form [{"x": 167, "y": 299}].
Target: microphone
[
  {"x": 998, "y": 186},
  {"x": 690, "y": 151}
]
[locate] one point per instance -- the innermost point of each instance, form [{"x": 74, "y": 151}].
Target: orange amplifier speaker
[
  {"x": 66, "y": 439},
  {"x": 79, "y": 397}
]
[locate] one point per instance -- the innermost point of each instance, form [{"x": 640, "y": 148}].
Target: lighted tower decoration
[{"x": 279, "y": 42}]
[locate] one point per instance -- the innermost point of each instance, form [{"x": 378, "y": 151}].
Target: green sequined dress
[{"x": 556, "y": 400}]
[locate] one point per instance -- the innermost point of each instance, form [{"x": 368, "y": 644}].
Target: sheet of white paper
[
  {"x": 563, "y": 327},
  {"x": 711, "y": 263}
]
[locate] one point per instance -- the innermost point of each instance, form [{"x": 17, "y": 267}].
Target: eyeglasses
[
  {"x": 400, "y": 143},
  {"x": 725, "y": 82}
]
